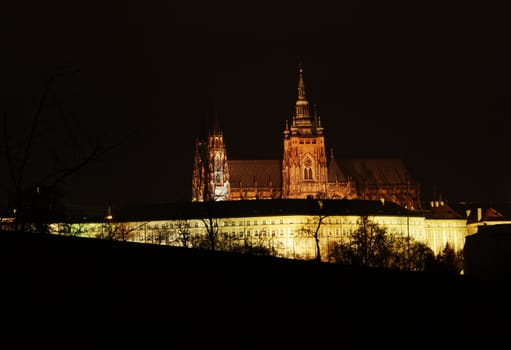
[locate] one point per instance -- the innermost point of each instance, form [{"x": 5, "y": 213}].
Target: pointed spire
[
  {"x": 301, "y": 84},
  {"x": 286, "y": 130},
  {"x": 215, "y": 125},
  {"x": 302, "y": 112}
]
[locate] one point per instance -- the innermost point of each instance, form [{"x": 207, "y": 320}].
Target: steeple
[
  {"x": 215, "y": 124},
  {"x": 302, "y": 112},
  {"x": 305, "y": 166},
  {"x": 301, "y": 85},
  {"x": 303, "y": 122}
]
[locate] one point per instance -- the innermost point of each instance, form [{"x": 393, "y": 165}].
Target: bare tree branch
[{"x": 62, "y": 165}]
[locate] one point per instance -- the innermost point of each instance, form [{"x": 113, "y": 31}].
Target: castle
[
  {"x": 276, "y": 204},
  {"x": 306, "y": 169}
]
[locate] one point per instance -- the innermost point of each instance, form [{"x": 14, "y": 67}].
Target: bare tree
[
  {"x": 259, "y": 244},
  {"x": 72, "y": 229},
  {"x": 161, "y": 234},
  {"x": 369, "y": 245},
  {"x": 35, "y": 177},
  {"x": 184, "y": 234},
  {"x": 210, "y": 221},
  {"x": 313, "y": 226}
]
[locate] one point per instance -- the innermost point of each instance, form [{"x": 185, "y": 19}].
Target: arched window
[
  {"x": 307, "y": 171},
  {"x": 307, "y": 174}
]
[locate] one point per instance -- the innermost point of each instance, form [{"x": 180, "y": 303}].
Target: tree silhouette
[
  {"x": 313, "y": 226},
  {"x": 368, "y": 245},
  {"x": 41, "y": 152},
  {"x": 420, "y": 256},
  {"x": 449, "y": 260},
  {"x": 184, "y": 236},
  {"x": 210, "y": 221}
]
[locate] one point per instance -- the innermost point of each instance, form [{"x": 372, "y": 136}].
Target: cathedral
[{"x": 306, "y": 169}]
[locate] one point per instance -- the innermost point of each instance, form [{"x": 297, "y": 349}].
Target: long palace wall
[{"x": 289, "y": 236}]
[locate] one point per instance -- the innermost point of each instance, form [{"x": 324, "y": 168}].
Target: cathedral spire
[
  {"x": 215, "y": 123},
  {"x": 302, "y": 105},
  {"x": 301, "y": 85}
]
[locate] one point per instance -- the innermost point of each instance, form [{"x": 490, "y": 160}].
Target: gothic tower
[
  {"x": 210, "y": 177},
  {"x": 304, "y": 166}
]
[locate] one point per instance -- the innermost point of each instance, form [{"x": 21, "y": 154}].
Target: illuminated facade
[
  {"x": 282, "y": 226},
  {"x": 306, "y": 169},
  {"x": 210, "y": 180},
  {"x": 444, "y": 224}
]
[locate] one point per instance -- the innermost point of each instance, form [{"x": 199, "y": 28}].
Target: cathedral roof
[
  {"x": 248, "y": 172},
  {"x": 335, "y": 174},
  {"x": 377, "y": 170}
]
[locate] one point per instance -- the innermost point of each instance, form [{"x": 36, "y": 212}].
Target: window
[{"x": 307, "y": 171}]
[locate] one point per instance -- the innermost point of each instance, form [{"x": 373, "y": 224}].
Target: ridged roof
[
  {"x": 247, "y": 208},
  {"x": 249, "y": 171},
  {"x": 334, "y": 172},
  {"x": 376, "y": 170},
  {"x": 444, "y": 211}
]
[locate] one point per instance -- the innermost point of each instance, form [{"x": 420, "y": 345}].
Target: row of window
[
  {"x": 257, "y": 233},
  {"x": 398, "y": 225}
]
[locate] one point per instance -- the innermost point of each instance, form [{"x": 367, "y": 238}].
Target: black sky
[{"x": 426, "y": 82}]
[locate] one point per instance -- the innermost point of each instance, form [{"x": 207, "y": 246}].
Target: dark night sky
[{"x": 428, "y": 83}]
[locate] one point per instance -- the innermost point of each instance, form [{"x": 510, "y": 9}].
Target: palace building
[
  {"x": 306, "y": 169},
  {"x": 283, "y": 226}
]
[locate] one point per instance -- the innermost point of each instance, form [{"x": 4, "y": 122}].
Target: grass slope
[{"x": 82, "y": 283}]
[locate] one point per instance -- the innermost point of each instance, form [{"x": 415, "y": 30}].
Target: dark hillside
[{"x": 78, "y": 281}]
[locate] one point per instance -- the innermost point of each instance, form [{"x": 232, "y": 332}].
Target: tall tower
[
  {"x": 210, "y": 177},
  {"x": 304, "y": 166}
]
